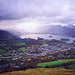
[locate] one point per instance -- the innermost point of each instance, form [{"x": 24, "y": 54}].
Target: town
[{"x": 22, "y": 51}]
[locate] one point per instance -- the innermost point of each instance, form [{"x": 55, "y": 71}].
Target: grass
[
  {"x": 2, "y": 51},
  {"x": 25, "y": 57},
  {"x": 42, "y": 71},
  {"x": 69, "y": 66},
  {"x": 20, "y": 44},
  {"x": 7, "y": 48},
  {"x": 8, "y": 59},
  {"x": 69, "y": 43},
  {"x": 55, "y": 62},
  {"x": 61, "y": 67},
  {"x": 72, "y": 66},
  {"x": 22, "y": 49}
]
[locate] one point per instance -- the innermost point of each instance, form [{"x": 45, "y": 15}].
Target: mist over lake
[{"x": 46, "y": 36}]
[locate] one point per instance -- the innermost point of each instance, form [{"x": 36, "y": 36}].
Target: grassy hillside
[
  {"x": 42, "y": 71},
  {"x": 55, "y": 62}
]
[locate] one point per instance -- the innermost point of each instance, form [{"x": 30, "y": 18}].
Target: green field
[
  {"x": 72, "y": 66},
  {"x": 55, "y": 62},
  {"x": 22, "y": 49},
  {"x": 69, "y": 66},
  {"x": 20, "y": 44},
  {"x": 61, "y": 67},
  {"x": 25, "y": 57},
  {"x": 2, "y": 51},
  {"x": 7, "y": 48},
  {"x": 8, "y": 59}
]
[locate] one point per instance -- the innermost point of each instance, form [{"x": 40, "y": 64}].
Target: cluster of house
[
  {"x": 34, "y": 51},
  {"x": 37, "y": 50},
  {"x": 42, "y": 50}
]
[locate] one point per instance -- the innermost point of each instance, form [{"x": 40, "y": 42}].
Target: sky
[{"x": 27, "y": 15}]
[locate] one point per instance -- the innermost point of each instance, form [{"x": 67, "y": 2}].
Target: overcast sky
[{"x": 30, "y": 14}]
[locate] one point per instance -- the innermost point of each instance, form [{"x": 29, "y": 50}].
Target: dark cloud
[
  {"x": 12, "y": 9},
  {"x": 62, "y": 11}
]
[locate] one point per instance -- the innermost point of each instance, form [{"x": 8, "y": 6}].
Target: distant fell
[{"x": 58, "y": 30}]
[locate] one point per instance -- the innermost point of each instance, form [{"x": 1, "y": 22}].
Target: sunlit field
[{"x": 58, "y": 62}]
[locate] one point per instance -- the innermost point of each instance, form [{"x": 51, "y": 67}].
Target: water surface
[{"x": 46, "y": 36}]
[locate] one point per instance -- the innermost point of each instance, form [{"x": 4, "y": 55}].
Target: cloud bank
[{"x": 41, "y": 12}]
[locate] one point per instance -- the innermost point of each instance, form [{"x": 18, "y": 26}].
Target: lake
[{"x": 46, "y": 36}]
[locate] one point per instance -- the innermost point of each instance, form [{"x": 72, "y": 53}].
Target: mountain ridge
[
  {"x": 58, "y": 30},
  {"x": 7, "y": 35}
]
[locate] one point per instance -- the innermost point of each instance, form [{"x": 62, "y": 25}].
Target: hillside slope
[
  {"x": 57, "y": 30},
  {"x": 7, "y": 35},
  {"x": 42, "y": 71}
]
